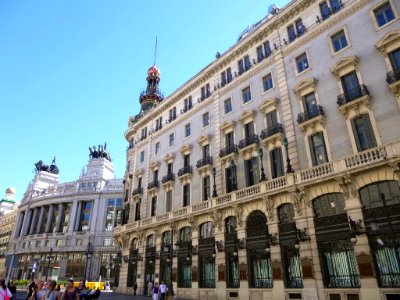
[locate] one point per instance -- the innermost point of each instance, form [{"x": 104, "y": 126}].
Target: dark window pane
[
  {"x": 339, "y": 41},
  {"x": 318, "y": 149},
  {"x": 384, "y": 14},
  {"x": 363, "y": 133},
  {"x": 325, "y": 11}
]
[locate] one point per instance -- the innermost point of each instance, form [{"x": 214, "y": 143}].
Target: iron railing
[
  {"x": 250, "y": 140},
  {"x": 228, "y": 150},
  {"x": 313, "y": 112},
  {"x": 352, "y": 95},
  {"x": 292, "y": 266},
  {"x": 168, "y": 177},
  {"x": 153, "y": 184},
  {"x": 393, "y": 76},
  {"x": 270, "y": 131},
  {"x": 137, "y": 191},
  {"x": 204, "y": 161},
  {"x": 185, "y": 170}
]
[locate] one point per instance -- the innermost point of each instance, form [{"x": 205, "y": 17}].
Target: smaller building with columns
[{"x": 65, "y": 230}]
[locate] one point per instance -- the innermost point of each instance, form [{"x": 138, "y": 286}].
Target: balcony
[
  {"x": 184, "y": 171},
  {"x": 393, "y": 79},
  {"x": 186, "y": 108},
  {"x": 272, "y": 134},
  {"x": 171, "y": 118},
  {"x": 155, "y": 184},
  {"x": 353, "y": 98},
  {"x": 248, "y": 141},
  {"x": 228, "y": 150},
  {"x": 168, "y": 178},
  {"x": 309, "y": 119},
  {"x": 204, "y": 162},
  {"x": 137, "y": 192}
]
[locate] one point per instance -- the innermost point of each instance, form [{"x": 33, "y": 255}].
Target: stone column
[
  {"x": 220, "y": 285},
  {"x": 242, "y": 260},
  {"x": 49, "y": 218},
  {"x": 33, "y": 222},
  {"x": 25, "y": 224},
  {"x": 59, "y": 217},
  {"x": 77, "y": 216},
  {"x": 40, "y": 221},
  {"x": 72, "y": 216},
  {"x": 20, "y": 222}
]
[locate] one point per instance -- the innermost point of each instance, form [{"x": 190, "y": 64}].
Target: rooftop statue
[
  {"x": 41, "y": 166},
  {"x": 101, "y": 152}
]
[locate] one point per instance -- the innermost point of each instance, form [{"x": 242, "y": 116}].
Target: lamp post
[
  {"x": 233, "y": 167},
  {"x": 49, "y": 258},
  {"x": 89, "y": 253},
  {"x": 289, "y": 168},
  {"x": 261, "y": 154},
  {"x": 214, "y": 194}
]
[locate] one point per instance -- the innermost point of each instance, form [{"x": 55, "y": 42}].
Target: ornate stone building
[
  {"x": 65, "y": 230},
  {"x": 274, "y": 172},
  {"x": 8, "y": 215}
]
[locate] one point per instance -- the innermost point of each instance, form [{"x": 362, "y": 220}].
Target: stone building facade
[
  {"x": 65, "y": 230},
  {"x": 274, "y": 172}
]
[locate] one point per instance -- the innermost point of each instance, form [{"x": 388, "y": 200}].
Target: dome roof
[
  {"x": 11, "y": 190},
  {"x": 153, "y": 70}
]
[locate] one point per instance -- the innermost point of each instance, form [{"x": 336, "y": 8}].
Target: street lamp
[
  {"x": 214, "y": 194},
  {"x": 289, "y": 168},
  {"x": 89, "y": 253},
  {"x": 49, "y": 258},
  {"x": 261, "y": 154},
  {"x": 233, "y": 167}
]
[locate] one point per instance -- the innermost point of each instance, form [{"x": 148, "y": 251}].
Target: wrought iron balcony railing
[
  {"x": 185, "y": 170},
  {"x": 393, "y": 76},
  {"x": 168, "y": 177},
  {"x": 137, "y": 191},
  {"x": 352, "y": 94},
  {"x": 250, "y": 140},
  {"x": 270, "y": 131},
  {"x": 204, "y": 161},
  {"x": 153, "y": 184},
  {"x": 228, "y": 150},
  {"x": 313, "y": 112}
]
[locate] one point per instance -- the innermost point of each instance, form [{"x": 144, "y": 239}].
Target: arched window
[
  {"x": 150, "y": 241},
  {"x": 134, "y": 244},
  {"x": 185, "y": 234},
  {"x": 328, "y": 205},
  {"x": 167, "y": 238},
  {"x": 207, "y": 230},
  {"x": 286, "y": 213},
  {"x": 231, "y": 253},
  {"x": 257, "y": 225},
  {"x": 378, "y": 194},
  {"x": 230, "y": 225}
]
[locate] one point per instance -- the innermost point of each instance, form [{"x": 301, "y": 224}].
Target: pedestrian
[
  {"x": 134, "y": 288},
  {"x": 51, "y": 293},
  {"x": 150, "y": 289},
  {"x": 29, "y": 289},
  {"x": 38, "y": 291},
  {"x": 13, "y": 289},
  {"x": 163, "y": 290},
  {"x": 70, "y": 292},
  {"x": 156, "y": 290},
  {"x": 4, "y": 291}
]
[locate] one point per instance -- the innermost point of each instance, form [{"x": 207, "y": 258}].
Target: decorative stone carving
[
  {"x": 299, "y": 196},
  {"x": 269, "y": 206},
  {"x": 193, "y": 222},
  {"x": 347, "y": 186},
  {"x": 217, "y": 218},
  {"x": 239, "y": 215}
]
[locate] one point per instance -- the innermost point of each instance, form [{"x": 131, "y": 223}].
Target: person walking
[
  {"x": 13, "y": 289},
  {"x": 150, "y": 289},
  {"x": 4, "y": 291},
  {"x": 163, "y": 290},
  {"x": 70, "y": 292},
  {"x": 156, "y": 290},
  {"x": 134, "y": 289},
  {"x": 30, "y": 289},
  {"x": 38, "y": 291},
  {"x": 51, "y": 294}
]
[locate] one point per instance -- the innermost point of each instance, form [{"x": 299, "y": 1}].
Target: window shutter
[
  {"x": 369, "y": 131},
  {"x": 355, "y": 133}
]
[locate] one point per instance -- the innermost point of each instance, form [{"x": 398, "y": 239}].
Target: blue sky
[{"x": 71, "y": 71}]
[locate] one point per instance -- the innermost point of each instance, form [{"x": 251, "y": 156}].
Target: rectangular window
[
  {"x": 267, "y": 82},
  {"x": 246, "y": 95},
  {"x": 339, "y": 41},
  {"x": 272, "y": 119},
  {"x": 351, "y": 86},
  {"x": 300, "y": 27},
  {"x": 186, "y": 160},
  {"x": 318, "y": 149},
  {"x": 363, "y": 133},
  {"x": 248, "y": 129},
  {"x": 188, "y": 103},
  {"x": 144, "y": 133},
  {"x": 302, "y": 63},
  {"x": 140, "y": 182},
  {"x": 206, "y": 188},
  {"x": 228, "y": 75},
  {"x": 186, "y": 195},
  {"x": 142, "y": 156},
  {"x": 170, "y": 168},
  {"x": 187, "y": 130},
  {"x": 153, "y": 206},
  {"x": 137, "y": 210},
  {"x": 227, "y": 106},
  {"x": 168, "y": 204},
  {"x": 247, "y": 63},
  {"x": 252, "y": 172},
  {"x": 260, "y": 54},
  {"x": 171, "y": 139},
  {"x": 172, "y": 114},
  {"x": 206, "y": 151},
  {"x": 205, "y": 91},
  {"x": 229, "y": 140},
  {"x": 267, "y": 49},
  {"x": 158, "y": 123},
  {"x": 230, "y": 179},
  {"x": 241, "y": 66},
  {"x": 157, "y": 148},
  {"x": 325, "y": 10},
  {"x": 155, "y": 175},
  {"x": 384, "y": 14},
  {"x": 276, "y": 163},
  {"x": 291, "y": 33},
  {"x": 336, "y": 5},
  {"x": 223, "y": 78},
  {"x": 206, "y": 119},
  {"x": 310, "y": 104},
  {"x": 394, "y": 58}
]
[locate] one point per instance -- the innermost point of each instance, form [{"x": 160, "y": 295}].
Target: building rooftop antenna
[{"x": 155, "y": 52}]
